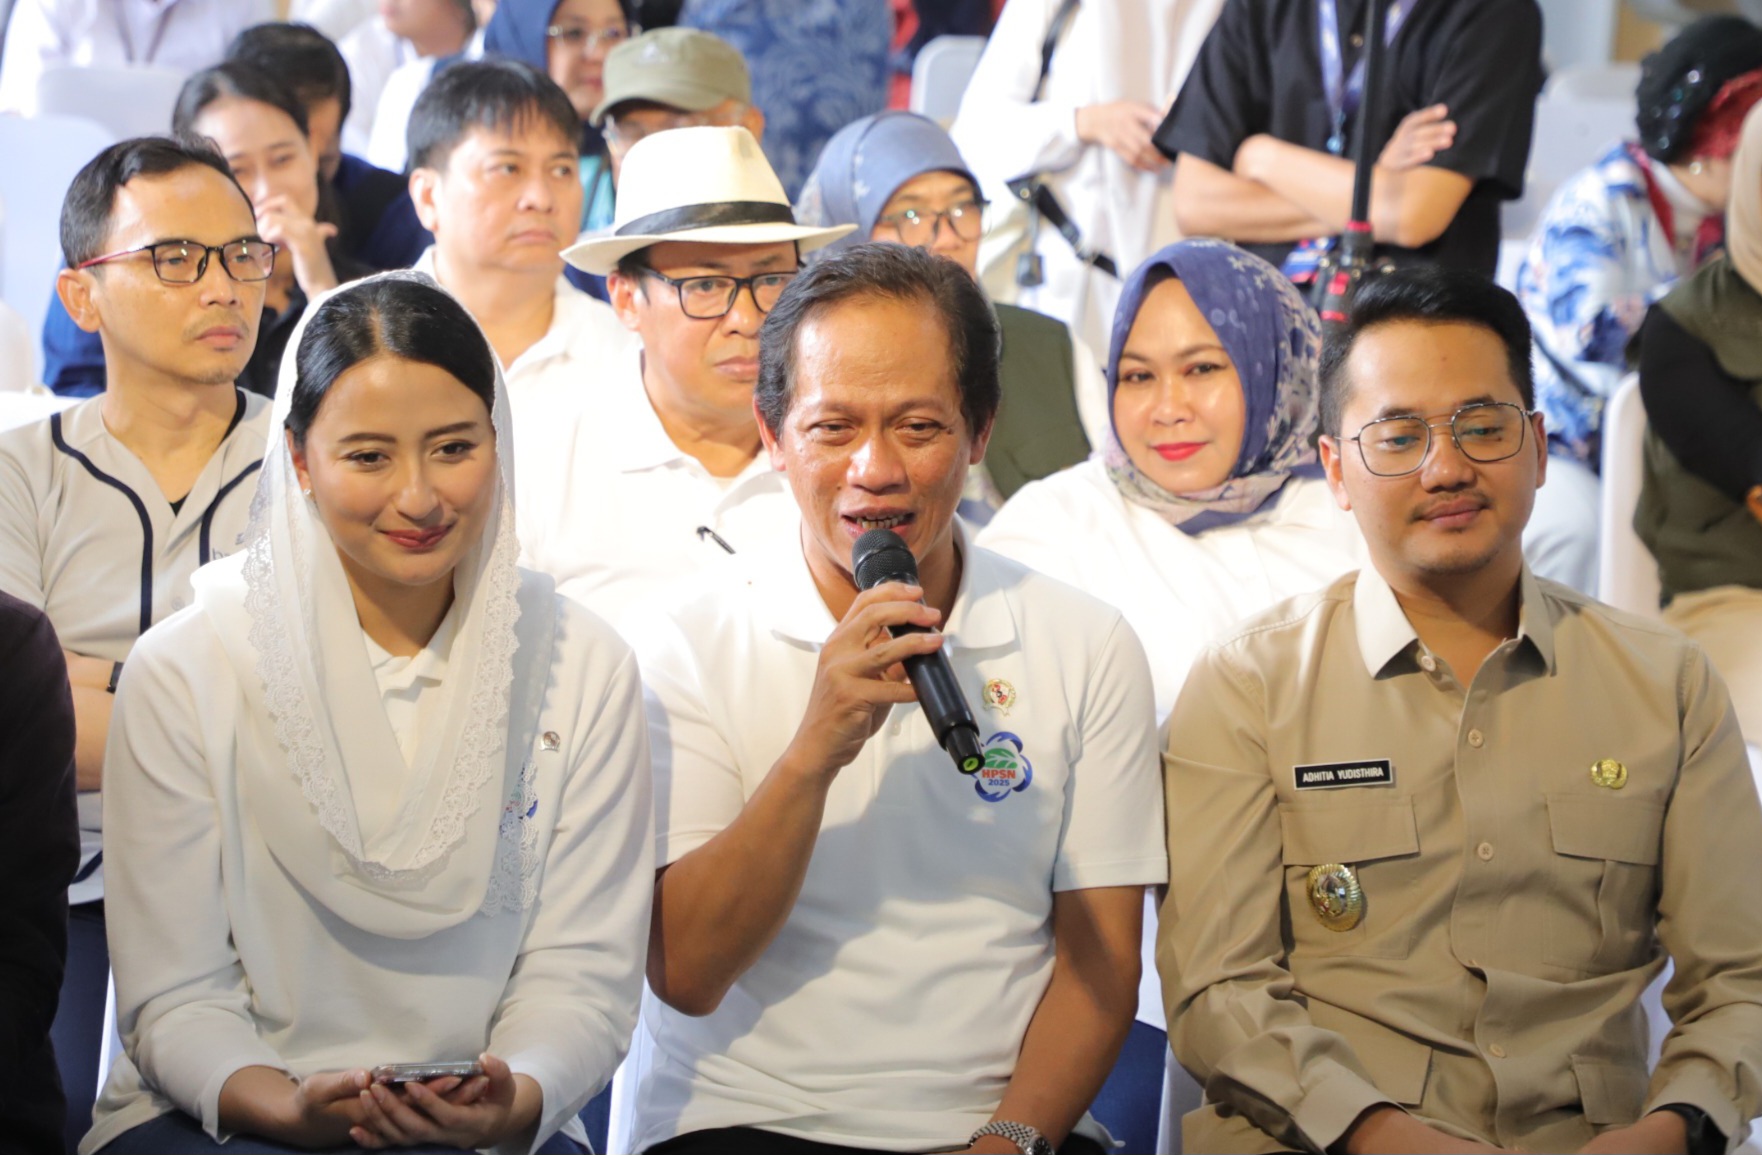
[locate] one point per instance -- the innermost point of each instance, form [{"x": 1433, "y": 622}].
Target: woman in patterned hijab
[
  {"x": 1206, "y": 504},
  {"x": 1258, "y": 409}
]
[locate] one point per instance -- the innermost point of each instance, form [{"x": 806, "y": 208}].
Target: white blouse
[
  {"x": 223, "y": 962},
  {"x": 1177, "y": 590}
]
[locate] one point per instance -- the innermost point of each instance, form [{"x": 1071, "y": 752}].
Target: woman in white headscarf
[{"x": 379, "y": 796}]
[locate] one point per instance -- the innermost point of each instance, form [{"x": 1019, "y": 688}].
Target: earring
[{"x": 1696, "y": 168}]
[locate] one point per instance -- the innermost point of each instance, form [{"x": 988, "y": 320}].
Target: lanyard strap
[
  {"x": 1344, "y": 92},
  {"x": 160, "y": 20}
]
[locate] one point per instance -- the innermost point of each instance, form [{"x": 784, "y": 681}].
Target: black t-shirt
[{"x": 1260, "y": 71}]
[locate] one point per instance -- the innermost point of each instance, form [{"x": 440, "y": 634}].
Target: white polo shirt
[
  {"x": 890, "y": 1009},
  {"x": 87, "y": 537},
  {"x": 562, "y": 370},
  {"x": 182, "y": 35},
  {"x": 1180, "y": 591},
  {"x": 612, "y": 509}
]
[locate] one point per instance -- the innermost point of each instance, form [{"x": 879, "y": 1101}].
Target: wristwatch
[{"x": 1027, "y": 1140}]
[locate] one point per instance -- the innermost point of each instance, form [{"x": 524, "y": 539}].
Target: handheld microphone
[{"x": 880, "y": 555}]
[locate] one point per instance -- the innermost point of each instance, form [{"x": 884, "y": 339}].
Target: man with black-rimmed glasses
[
  {"x": 658, "y": 473},
  {"x": 106, "y": 509},
  {"x": 1433, "y": 830}
]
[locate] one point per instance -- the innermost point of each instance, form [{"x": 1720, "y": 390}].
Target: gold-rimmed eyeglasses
[{"x": 1396, "y": 446}]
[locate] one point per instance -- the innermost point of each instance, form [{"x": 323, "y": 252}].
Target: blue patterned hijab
[
  {"x": 865, "y": 163},
  {"x": 1274, "y": 340}
]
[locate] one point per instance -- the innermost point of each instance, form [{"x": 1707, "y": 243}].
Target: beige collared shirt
[{"x": 1514, "y": 908}]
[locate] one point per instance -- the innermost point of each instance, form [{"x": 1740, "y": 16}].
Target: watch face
[{"x": 1041, "y": 1146}]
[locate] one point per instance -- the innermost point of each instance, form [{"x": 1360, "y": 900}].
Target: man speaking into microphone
[{"x": 861, "y": 941}]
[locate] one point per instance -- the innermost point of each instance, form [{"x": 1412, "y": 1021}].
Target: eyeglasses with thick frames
[
  {"x": 184, "y": 262},
  {"x": 707, "y": 298},
  {"x": 1397, "y": 446},
  {"x": 580, "y": 38},
  {"x": 918, "y": 227}
]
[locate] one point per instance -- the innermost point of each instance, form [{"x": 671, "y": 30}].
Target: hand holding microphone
[{"x": 881, "y": 556}]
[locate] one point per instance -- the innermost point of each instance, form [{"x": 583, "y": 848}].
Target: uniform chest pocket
[
  {"x": 1608, "y": 878},
  {"x": 1379, "y": 842}
]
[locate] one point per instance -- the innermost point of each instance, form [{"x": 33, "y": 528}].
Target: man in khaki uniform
[{"x": 1434, "y": 829}]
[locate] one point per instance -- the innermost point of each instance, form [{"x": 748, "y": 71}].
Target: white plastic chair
[
  {"x": 1571, "y": 132},
  {"x": 126, "y": 101},
  {"x": 58, "y": 147},
  {"x": 940, "y": 75},
  {"x": 1627, "y": 574},
  {"x": 1615, "y": 80},
  {"x": 1181, "y": 1093},
  {"x": 17, "y": 352}
]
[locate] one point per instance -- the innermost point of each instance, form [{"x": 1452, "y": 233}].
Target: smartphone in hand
[{"x": 393, "y": 1074}]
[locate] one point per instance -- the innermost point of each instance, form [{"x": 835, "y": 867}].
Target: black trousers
[{"x": 752, "y": 1141}]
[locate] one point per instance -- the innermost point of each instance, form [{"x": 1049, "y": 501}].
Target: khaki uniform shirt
[{"x": 1514, "y": 908}]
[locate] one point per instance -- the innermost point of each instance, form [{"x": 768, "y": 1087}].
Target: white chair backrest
[
  {"x": 1627, "y": 575},
  {"x": 1571, "y": 132},
  {"x": 1615, "y": 80},
  {"x": 940, "y": 75},
  {"x": 17, "y": 352},
  {"x": 58, "y": 147},
  {"x": 127, "y": 101},
  {"x": 23, "y": 408}
]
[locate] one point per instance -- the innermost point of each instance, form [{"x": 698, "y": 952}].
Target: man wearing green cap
[{"x": 673, "y": 78}]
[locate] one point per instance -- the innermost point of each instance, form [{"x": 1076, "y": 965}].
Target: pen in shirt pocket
[{"x": 704, "y": 531}]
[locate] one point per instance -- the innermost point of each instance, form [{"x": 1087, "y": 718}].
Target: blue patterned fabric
[
  {"x": 816, "y": 66},
  {"x": 1597, "y": 259},
  {"x": 1273, "y": 339}
]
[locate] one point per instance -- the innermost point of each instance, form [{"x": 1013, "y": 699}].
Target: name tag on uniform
[{"x": 1334, "y": 775}]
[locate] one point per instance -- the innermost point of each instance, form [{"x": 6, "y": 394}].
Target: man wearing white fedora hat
[{"x": 659, "y": 474}]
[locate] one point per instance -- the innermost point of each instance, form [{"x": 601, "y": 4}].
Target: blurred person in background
[{"x": 1612, "y": 241}]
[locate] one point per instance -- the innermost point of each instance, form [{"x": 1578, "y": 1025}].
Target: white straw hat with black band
[{"x": 707, "y": 185}]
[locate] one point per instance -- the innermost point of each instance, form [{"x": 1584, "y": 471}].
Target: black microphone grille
[{"x": 881, "y": 555}]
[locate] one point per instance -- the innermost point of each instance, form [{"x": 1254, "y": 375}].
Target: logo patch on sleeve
[{"x": 1334, "y": 775}]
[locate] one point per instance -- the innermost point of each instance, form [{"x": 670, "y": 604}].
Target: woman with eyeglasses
[
  {"x": 1206, "y": 502},
  {"x": 260, "y": 128},
  {"x": 382, "y": 839},
  {"x": 899, "y": 178}
]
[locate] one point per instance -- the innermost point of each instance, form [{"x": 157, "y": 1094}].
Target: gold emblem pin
[
  {"x": 1608, "y": 772},
  {"x": 1000, "y": 696},
  {"x": 1336, "y": 896},
  {"x": 549, "y": 740}
]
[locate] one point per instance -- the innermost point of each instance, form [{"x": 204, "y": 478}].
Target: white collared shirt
[
  {"x": 1179, "y": 590},
  {"x": 890, "y": 1009},
  {"x": 182, "y": 35},
  {"x": 373, "y": 54},
  {"x": 386, "y": 145},
  {"x": 612, "y": 509},
  {"x": 406, "y": 686}
]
